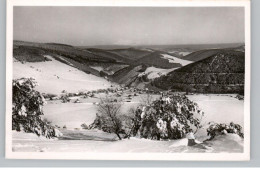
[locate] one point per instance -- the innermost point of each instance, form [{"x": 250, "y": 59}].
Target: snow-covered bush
[
  {"x": 219, "y": 129},
  {"x": 27, "y": 109},
  {"x": 168, "y": 118}
]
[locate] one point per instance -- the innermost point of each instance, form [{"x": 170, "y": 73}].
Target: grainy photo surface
[{"x": 121, "y": 79}]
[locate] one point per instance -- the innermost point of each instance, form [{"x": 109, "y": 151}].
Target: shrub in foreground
[
  {"x": 168, "y": 118},
  {"x": 27, "y": 109},
  {"x": 218, "y": 129}
]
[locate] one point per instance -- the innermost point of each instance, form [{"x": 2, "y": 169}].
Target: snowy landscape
[
  {"x": 53, "y": 77},
  {"x": 128, "y": 98}
]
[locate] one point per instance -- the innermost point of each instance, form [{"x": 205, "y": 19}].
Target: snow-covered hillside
[
  {"x": 180, "y": 53},
  {"x": 173, "y": 59},
  {"x": 153, "y": 72},
  {"x": 54, "y": 76}
]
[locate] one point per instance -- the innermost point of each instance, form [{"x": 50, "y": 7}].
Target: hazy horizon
[
  {"x": 187, "y": 44},
  {"x": 130, "y": 26}
]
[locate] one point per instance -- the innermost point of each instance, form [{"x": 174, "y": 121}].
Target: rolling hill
[
  {"x": 23, "y": 50},
  {"x": 131, "y": 53},
  {"x": 111, "y": 55},
  {"x": 202, "y": 54},
  {"x": 54, "y": 76},
  {"x": 208, "y": 70},
  {"x": 118, "y": 65},
  {"x": 223, "y": 72},
  {"x": 156, "y": 59}
]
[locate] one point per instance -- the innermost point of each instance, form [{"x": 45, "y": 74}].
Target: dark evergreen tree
[{"x": 27, "y": 109}]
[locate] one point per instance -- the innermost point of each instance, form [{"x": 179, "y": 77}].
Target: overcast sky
[{"x": 87, "y": 26}]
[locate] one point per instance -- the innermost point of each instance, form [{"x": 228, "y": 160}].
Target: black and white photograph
[{"x": 138, "y": 81}]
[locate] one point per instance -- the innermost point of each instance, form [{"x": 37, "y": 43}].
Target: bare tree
[
  {"x": 147, "y": 99},
  {"x": 110, "y": 113},
  {"x": 129, "y": 122}
]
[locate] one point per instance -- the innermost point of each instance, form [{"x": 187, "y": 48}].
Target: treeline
[
  {"x": 220, "y": 73},
  {"x": 35, "y": 54}
]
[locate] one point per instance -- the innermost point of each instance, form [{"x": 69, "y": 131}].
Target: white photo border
[{"x": 245, "y": 156}]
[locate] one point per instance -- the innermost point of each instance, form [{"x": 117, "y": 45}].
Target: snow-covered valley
[
  {"x": 217, "y": 108},
  {"x": 54, "y": 77}
]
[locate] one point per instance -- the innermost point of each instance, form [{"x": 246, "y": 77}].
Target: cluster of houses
[{"x": 118, "y": 91}]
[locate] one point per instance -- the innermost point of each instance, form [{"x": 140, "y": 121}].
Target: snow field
[{"x": 54, "y": 77}]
